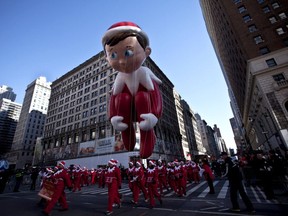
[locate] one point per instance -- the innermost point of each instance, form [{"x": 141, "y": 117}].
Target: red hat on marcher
[
  {"x": 152, "y": 162},
  {"x": 62, "y": 163}
]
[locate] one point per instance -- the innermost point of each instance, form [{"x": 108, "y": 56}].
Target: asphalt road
[{"x": 92, "y": 201}]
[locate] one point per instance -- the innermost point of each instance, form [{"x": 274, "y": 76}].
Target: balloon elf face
[{"x": 135, "y": 95}]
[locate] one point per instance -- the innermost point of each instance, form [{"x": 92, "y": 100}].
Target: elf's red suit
[{"x": 131, "y": 105}]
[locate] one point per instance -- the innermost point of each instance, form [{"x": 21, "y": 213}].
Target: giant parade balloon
[{"x": 135, "y": 95}]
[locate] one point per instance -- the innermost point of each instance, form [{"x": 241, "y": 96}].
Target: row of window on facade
[
  {"x": 84, "y": 136},
  {"x": 87, "y": 122},
  {"x": 274, "y": 4}
]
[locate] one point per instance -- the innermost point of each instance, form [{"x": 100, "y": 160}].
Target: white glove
[
  {"x": 117, "y": 123},
  {"x": 150, "y": 120}
]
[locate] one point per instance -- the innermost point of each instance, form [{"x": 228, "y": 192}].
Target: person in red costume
[
  {"x": 77, "y": 178},
  {"x": 135, "y": 96},
  {"x": 61, "y": 179},
  {"x": 208, "y": 174},
  {"x": 152, "y": 183},
  {"x": 129, "y": 173},
  {"x": 162, "y": 176},
  {"x": 139, "y": 183},
  {"x": 113, "y": 181}
]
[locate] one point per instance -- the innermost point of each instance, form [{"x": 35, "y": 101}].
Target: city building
[
  {"x": 192, "y": 133},
  {"x": 7, "y": 92},
  {"x": 77, "y": 127},
  {"x": 31, "y": 123},
  {"x": 182, "y": 124},
  {"x": 9, "y": 117},
  {"x": 250, "y": 39}
]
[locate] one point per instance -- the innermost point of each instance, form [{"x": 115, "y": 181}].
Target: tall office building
[
  {"x": 250, "y": 40},
  {"x": 78, "y": 130},
  {"x": 7, "y": 92},
  {"x": 9, "y": 117},
  {"x": 31, "y": 122}
]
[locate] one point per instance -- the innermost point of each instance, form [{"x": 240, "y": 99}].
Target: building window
[
  {"x": 275, "y": 5},
  {"x": 264, "y": 50},
  {"x": 237, "y": 1},
  {"x": 247, "y": 18},
  {"x": 242, "y": 9},
  {"x": 278, "y": 77},
  {"x": 282, "y": 15},
  {"x": 252, "y": 28},
  {"x": 280, "y": 31},
  {"x": 261, "y": 1},
  {"x": 271, "y": 62},
  {"x": 258, "y": 39},
  {"x": 272, "y": 19},
  {"x": 266, "y": 9}
]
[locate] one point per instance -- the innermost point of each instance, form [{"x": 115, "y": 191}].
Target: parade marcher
[
  {"x": 195, "y": 171},
  {"x": 129, "y": 173},
  {"x": 180, "y": 179},
  {"x": 85, "y": 176},
  {"x": 162, "y": 176},
  {"x": 152, "y": 183},
  {"x": 208, "y": 174},
  {"x": 61, "y": 179},
  {"x": 45, "y": 177},
  {"x": 93, "y": 176},
  {"x": 77, "y": 178},
  {"x": 235, "y": 182},
  {"x": 139, "y": 183},
  {"x": 189, "y": 171},
  {"x": 101, "y": 177},
  {"x": 171, "y": 176},
  {"x": 113, "y": 181}
]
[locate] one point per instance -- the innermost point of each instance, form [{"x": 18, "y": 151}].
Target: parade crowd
[{"x": 256, "y": 169}]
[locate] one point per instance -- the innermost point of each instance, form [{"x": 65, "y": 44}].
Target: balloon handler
[{"x": 135, "y": 95}]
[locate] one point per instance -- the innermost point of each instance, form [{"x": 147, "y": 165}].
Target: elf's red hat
[{"x": 125, "y": 26}]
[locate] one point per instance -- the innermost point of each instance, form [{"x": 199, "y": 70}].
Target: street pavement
[{"x": 92, "y": 200}]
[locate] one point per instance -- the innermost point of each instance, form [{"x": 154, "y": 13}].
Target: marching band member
[
  {"x": 113, "y": 181},
  {"x": 61, "y": 179},
  {"x": 152, "y": 183},
  {"x": 139, "y": 183}
]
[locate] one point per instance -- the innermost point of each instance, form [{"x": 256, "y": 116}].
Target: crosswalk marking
[
  {"x": 222, "y": 187},
  {"x": 223, "y": 192},
  {"x": 205, "y": 192},
  {"x": 195, "y": 188}
]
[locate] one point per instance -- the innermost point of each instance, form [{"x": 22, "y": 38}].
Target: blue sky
[{"x": 50, "y": 38}]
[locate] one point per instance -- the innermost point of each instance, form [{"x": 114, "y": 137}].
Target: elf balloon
[{"x": 135, "y": 95}]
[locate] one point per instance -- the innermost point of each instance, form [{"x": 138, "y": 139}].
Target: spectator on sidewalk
[{"x": 19, "y": 174}]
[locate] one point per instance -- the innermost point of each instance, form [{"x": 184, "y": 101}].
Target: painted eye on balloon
[
  {"x": 113, "y": 55},
  {"x": 128, "y": 53}
]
